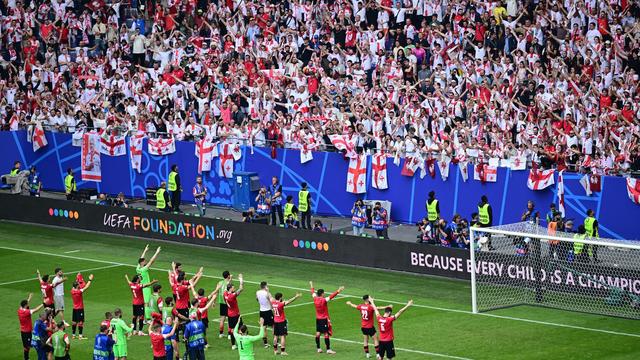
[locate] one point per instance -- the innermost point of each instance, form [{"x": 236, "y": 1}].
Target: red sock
[{"x": 366, "y": 349}]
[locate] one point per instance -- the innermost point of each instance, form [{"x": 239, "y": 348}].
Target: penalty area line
[{"x": 531, "y": 321}]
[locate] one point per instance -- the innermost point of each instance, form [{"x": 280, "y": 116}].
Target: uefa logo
[
  {"x": 70, "y": 214},
  {"x": 304, "y": 244}
]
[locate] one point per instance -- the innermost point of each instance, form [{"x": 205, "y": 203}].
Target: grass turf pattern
[{"x": 438, "y": 326}]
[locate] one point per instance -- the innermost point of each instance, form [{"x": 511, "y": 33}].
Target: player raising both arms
[
  {"x": 233, "y": 311},
  {"x": 26, "y": 326},
  {"x": 280, "y": 323},
  {"x": 138, "y": 302},
  {"x": 226, "y": 279},
  {"x": 158, "y": 338},
  {"x": 77, "y": 318},
  {"x": 47, "y": 291},
  {"x": 367, "y": 315},
  {"x": 323, "y": 322},
  {"x": 202, "y": 305},
  {"x": 143, "y": 270},
  {"x": 385, "y": 323}
]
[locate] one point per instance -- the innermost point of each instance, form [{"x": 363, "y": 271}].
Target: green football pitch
[{"x": 439, "y": 325}]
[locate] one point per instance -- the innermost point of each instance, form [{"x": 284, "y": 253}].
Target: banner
[
  {"x": 113, "y": 145},
  {"x": 91, "y": 165}
]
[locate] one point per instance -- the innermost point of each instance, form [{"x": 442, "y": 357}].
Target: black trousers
[
  {"x": 175, "y": 200},
  {"x": 382, "y": 233},
  {"x": 305, "y": 220},
  {"x": 276, "y": 209}
]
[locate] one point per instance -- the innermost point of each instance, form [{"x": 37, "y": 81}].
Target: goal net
[{"x": 523, "y": 264}]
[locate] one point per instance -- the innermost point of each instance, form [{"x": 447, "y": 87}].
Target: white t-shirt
[
  {"x": 58, "y": 286},
  {"x": 263, "y": 299}
]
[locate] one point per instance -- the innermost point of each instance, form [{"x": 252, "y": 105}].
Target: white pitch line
[
  {"x": 71, "y": 252},
  {"x": 397, "y": 348},
  {"x": 70, "y": 272},
  {"x": 285, "y": 308},
  {"x": 576, "y": 327}
]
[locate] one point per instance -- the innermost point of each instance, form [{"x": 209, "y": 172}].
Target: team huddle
[{"x": 183, "y": 317}]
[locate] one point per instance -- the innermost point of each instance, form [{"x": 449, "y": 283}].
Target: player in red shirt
[
  {"x": 385, "y": 324},
  {"x": 323, "y": 322},
  {"x": 367, "y": 316},
  {"x": 158, "y": 338},
  {"x": 138, "y": 302},
  {"x": 176, "y": 268},
  {"x": 107, "y": 320},
  {"x": 47, "y": 291},
  {"x": 77, "y": 320},
  {"x": 280, "y": 322},
  {"x": 26, "y": 325},
  {"x": 233, "y": 311}
]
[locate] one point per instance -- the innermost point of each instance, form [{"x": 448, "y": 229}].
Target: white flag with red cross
[
  {"x": 306, "y": 154},
  {"x": 357, "y": 175},
  {"x": 518, "y": 162},
  {"x": 204, "y": 152},
  {"x": 135, "y": 150},
  {"x": 112, "y": 145},
  {"x": 485, "y": 173},
  {"x": 633, "y": 190},
  {"x": 38, "y": 139},
  {"x": 379, "y": 171},
  {"x": 226, "y": 160},
  {"x": 160, "y": 146},
  {"x": 410, "y": 165},
  {"x": 561, "y": 207},
  {"x": 443, "y": 166},
  {"x": 464, "y": 170},
  {"x": 342, "y": 142},
  {"x": 540, "y": 179}
]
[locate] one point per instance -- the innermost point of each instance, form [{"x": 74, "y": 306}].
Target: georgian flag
[
  {"x": 518, "y": 162},
  {"x": 586, "y": 184},
  {"x": 379, "y": 172},
  {"x": 226, "y": 160},
  {"x": 431, "y": 167},
  {"x": 561, "y": 194},
  {"x": 160, "y": 146},
  {"x": 14, "y": 122},
  {"x": 357, "y": 175},
  {"x": 306, "y": 153},
  {"x": 540, "y": 179},
  {"x": 443, "y": 166},
  {"x": 135, "y": 150},
  {"x": 204, "y": 152},
  {"x": 633, "y": 190},
  {"x": 485, "y": 173},
  {"x": 112, "y": 145},
  {"x": 38, "y": 139},
  {"x": 236, "y": 151},
  {"x": 464, "y": 170},
  {"x": 342, "y": 142},
  {"x": 410, "y": 165}
]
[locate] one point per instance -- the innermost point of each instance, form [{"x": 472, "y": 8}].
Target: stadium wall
[
  {"x": 586, "y": 278},
  {"x": 326, "y": 175}
]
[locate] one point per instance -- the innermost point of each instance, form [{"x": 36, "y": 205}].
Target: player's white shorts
[{"x": 58, "y": 300}]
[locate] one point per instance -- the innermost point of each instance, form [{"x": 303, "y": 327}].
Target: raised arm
[
  {"x": 144, "y": 252},
  {"x": 292, "y": 299},
  {"x": 397, "y": 315},
  {"x": 153, "y": 258},
  {"x": 352, "y": 304},
  {"x": 241, "y": 287},
  {"x": 86, "y": 286}
]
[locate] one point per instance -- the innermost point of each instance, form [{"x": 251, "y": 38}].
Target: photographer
[
  {"x": 463, "y": 234},
  {"x": 531, "y": 214},
  {"x": 358, "y": 217},
  {"x": 425, "y": 231},
  {"x": 120, "y": 201},
  {"x": 380, "y": 221},
  {"x": 319, "y": 227},
  {"x": 249, "y": 215},
  {"x": 263, "y": 202}
]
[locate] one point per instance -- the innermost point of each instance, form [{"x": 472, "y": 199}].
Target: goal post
[{"x": 522, "y": 264}]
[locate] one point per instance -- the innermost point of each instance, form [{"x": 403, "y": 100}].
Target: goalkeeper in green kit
[
  {"x": 245, "y": 341},
  {"x": 143, "y": 270}
]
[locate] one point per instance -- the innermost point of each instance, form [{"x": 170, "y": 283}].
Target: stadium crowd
[{"x": 554, "y": 81}]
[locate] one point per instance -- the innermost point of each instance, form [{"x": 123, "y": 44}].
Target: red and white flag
[
  {"x": 540, "y": 179},
  {"x": 464, "y": 170},
  {"x": 431, "y": 168},
  {"x": 518, "y": 162},
  {"x": 633, "y": 190},
  {"x": 561, "y": 194},
  {"x": 342, "y": 142},
  {"x": 38, "y": 139},
  {"x": 204, "y": 152},
  {"x": 587, "y": 161},
  {"x": 586, "y": 184},
  {"x": 485, "y": 173},
  {"x": 14, "y": 122},
  {"x": 112, "y": 145},
  {"x": 76, "y": 138},
  {"x": 135, "y": 150},
  {"x": 90, "y": 162},
  {"x": 227, "y": 160},
  {"x": 379, "y": 172},
  {"x": 306, "y": 154},
  {"x": 443, "y": 166},
  {"x": 410, "y": 165},
  {"x": 160, "y": 146},
  {"x": 236, "y": 151},
  {"x": 357, "y": 175}
]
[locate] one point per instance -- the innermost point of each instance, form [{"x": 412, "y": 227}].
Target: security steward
[
  {"x": 16, "y": 168},
  {"x": 485, "y": 216},
  {"x": 580, "y": 254},
  {"x": 163, "y": 203},
  {"x": 175, "y": 188},
  {"x": 304, "y": 206},
  {"x": 591, "y": 230},
  {"x": 433, "y": 212},
  {"x": 290, "y": 210},
  {"x": 70, "y": 188}
]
